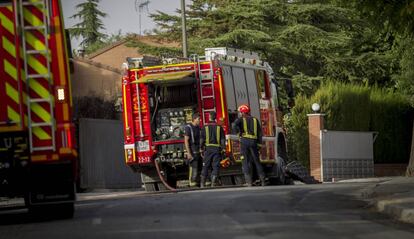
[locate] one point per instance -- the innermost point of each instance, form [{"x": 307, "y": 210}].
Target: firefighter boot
[
  {"x": 202, "y": 181},
  {"x": 248, "y": 180},
  {"x": 262, "y": 181},
  {"x": 213, "y": 181}
]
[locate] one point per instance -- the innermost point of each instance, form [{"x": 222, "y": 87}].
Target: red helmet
[{"x": 244, "y": 109}]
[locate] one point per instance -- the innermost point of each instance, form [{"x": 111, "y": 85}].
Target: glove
[
  {"x": 188, "y": 159},
  {"x": 225, "y": 163},
  {"x": 202, "y": 153}
]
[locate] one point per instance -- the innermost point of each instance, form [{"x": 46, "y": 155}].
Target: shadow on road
[{"x": 22, "y": 216}]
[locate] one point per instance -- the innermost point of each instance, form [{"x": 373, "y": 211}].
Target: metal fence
[
  {"x": 102, "y": 164},
  {"x": 347, "y": 154}
]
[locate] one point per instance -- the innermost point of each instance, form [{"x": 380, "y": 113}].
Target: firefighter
[
  {"x": 192, "y": 145},
  {"x": 250, "y": 143},
  {"x": 212, "y": 145}
]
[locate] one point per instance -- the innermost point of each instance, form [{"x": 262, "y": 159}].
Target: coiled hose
[{"x": 162, "y": 177}]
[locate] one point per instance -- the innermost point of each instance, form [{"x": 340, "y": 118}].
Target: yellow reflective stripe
[
  {"x": 218, "y": 134},
  {"x": 245, "y": 125},
  {"x": 125, "y": 106},
  {"x": 13, "y": 115},
  {"x": 9, "y": 46},
  {"x": 7, "y": 23},
  {"x": 40, "y": 133},
  {"x": 39, "y": 111},
  {"x": 65, "y": 111},
  {"x": 60, "y": 49},
  {"x": 208, "y": 138},
  {"x": 35, "y": 158},
  {"x": 39, "y": 89},
  {"x": 31, "y": 18},
  {"x": 36, "y": 65},
  {"x": 246, "y": 133},
  {"x": 255, "y": 127},
  {"x": 12, "y": 93},
  {"x": 10, "y": 69},
  {"x": 37, "y": 44}
]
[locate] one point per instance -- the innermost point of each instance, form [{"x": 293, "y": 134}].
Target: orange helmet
[{"x": 244, "y": 109}]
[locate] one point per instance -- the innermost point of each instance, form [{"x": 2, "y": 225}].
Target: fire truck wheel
[{"x": 279, "y": 175}]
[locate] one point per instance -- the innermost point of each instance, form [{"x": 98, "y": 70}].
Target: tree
[
  {"x": 90, "y": 26},
  {"x": 397, "y": 17},
  {"x": 303, "y": 40}
]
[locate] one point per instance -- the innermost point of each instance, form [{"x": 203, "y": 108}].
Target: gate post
[{"x": 316, "y": 125}]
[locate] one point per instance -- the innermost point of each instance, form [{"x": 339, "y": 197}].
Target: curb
[{"x": 396, "y": 210}]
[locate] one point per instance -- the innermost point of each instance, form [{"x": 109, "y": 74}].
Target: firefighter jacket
[
  {"x": 212, "y": 137},
  {"x": 193, "y": 132},
  {"x": 248, "y": 128}
]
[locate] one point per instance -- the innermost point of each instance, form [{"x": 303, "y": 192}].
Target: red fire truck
[
  {"x": 159, "y": 99},
  {"x": 37, "y": 154}
]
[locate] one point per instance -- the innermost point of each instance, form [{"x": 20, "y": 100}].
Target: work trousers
[
  {"x": 195, "y": 168},
  {"x": 211, "y": 160},
  {"x": 250, "y": 155}
]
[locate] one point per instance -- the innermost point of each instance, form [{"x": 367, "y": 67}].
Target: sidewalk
[{"x": 394, "y": 196}]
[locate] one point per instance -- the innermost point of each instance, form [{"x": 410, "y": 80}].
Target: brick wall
[{"x": 315, "y": 127}]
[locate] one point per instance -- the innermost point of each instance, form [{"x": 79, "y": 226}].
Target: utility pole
[
  {"x": 184, "y": 28},
  {"x": 139, "y": 7}
]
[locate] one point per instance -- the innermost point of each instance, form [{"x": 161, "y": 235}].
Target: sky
[{"x": 121, "y": 14}]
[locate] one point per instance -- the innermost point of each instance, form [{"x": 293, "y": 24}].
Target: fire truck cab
[{"x": 159, "y": 98}]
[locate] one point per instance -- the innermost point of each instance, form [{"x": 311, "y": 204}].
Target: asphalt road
[{"x": 305, "y": 211}]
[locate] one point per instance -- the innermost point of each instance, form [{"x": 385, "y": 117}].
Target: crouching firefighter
[
  {"x": 192, "y": 146},
  {"x": 212, "y": 145},
  {"x": 250, "y": 133}
]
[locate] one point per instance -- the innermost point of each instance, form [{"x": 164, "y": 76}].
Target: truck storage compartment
[{"x": 172, "y": 105}]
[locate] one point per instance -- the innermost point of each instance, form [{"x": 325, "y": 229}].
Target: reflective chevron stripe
[{"x": 11, "y": 79}]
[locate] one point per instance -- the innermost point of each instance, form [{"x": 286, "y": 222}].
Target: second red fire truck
[{"x": 159, "y": 99}]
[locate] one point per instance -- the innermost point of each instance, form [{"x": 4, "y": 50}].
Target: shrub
[{"x": 355, "y": 108}]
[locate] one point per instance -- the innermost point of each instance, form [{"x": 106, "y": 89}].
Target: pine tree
[
  {"x": 91, "y": 24},
  {"x": 310, "y": 41}
]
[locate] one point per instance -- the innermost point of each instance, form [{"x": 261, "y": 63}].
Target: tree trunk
[{"x": 410, "y": 168}]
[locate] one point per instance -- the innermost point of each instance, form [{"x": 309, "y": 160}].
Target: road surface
[{"x": 297, "y": 211}]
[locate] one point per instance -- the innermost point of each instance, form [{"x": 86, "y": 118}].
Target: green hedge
[{"x": 355, "y": 108}]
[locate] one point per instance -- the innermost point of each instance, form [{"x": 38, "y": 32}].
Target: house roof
[{"x": 115, "y": 54}]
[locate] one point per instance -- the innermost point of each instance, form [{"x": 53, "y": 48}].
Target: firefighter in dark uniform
[
  {"x": 250, "y": 143},
  {"x": 212, "y": 143},
  {"x": 192, "y": 146}
]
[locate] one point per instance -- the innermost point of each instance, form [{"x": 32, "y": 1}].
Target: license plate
[{"x": 143, "y": 146}]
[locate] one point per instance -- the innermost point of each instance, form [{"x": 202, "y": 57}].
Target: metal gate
[
  {"x": 102, "y": 163},
  {"x": 347, "y": 154}
]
